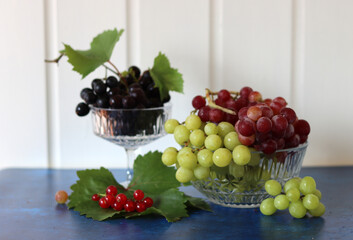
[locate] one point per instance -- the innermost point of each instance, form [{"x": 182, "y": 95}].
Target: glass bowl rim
[
  {"x": 164, "y": 107},
  {"x": 299, "y": 147}
]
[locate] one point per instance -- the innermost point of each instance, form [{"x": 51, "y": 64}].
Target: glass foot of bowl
[
  {"x": 243, "y": 186},
  {"x": 130, "y": 128}
]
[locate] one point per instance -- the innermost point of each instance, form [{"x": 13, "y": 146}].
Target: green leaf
[
  {"x": 198, "y": 203},
  {"x": 151, "y": 175},
  {"x": 86, "y": 61},
  {"x": 166, "y": 78}
]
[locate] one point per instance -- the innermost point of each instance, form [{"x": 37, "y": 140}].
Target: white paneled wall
[{"x": 301, "y": 50}]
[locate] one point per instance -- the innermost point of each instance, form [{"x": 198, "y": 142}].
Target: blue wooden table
[{"x": 28, "y": 211}]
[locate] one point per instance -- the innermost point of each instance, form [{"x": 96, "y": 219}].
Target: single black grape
[
  {"x": 115, "y": 91},
  {"x": 90, "y": 98},
  {"x": 82, "y": 109},
  {"x": 134, "y": 86},
  {"x": 145, "y": 80},
  {"x": 129, "y": 80},
  {"x": 116, "y": 101},
  {"x": 112, "y": 82},
  {"x": 103, "y": 101},
  {"x": 128, "y": 102},
  {"x": 139, "y": 95},
  {"x": 96, "y": 81},
  {"x": 100, "y": 88},
  {"x": 134, "y": 71},
  {"x": 85, "y": 91},
  {"x": 152, "y": 91},
  {"x": 166, "y": 99}
]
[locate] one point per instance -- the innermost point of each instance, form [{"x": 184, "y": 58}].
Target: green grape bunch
[{"x": 300, "y": 197}]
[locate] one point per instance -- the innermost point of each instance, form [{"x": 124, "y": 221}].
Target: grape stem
[
  {"x": 108, "y": 68},
  {"x": 56, "y": 60},
  {"x": 212, "y": 104},
  {"x": 116, "y": 69}
]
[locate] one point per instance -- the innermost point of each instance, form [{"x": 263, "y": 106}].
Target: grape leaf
[
  {"x": 166, "y": 78},
  {"x": 86, "y": 61},
  {"x": 150, "y": 175}
]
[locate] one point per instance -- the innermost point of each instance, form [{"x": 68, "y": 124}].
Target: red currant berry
[
  {"x": 138, "y": 195},
  {"x": 148, "y": 202},
  {"x": 111, "y": 190},
  {"x": 103, "y": 203},
  {"x": 121, "y": 198},
  {"x": 118, "y": 206},
  {"x": 95, "y": 197},
  {"x": 110, "y": 199},
  {"x": 129, "y": 206},
  {"x": 140, "y": 207}
]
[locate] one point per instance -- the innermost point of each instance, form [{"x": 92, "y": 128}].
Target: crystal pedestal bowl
[
  {"x": 130, "y": 128},
  {"x": 243, "y": 186}
]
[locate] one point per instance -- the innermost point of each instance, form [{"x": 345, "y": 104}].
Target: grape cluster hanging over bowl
[{"x": 233, "y": 142}]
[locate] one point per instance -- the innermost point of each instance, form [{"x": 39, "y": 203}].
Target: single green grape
[
  {"x": 193, "y": 122},
  {"x": 267, "y": 207},
  {"x": 231, "y": 140},
  {"x": 281, "y": 202},
  {"x": 183, "y": 150},
  {"x": 292, "y": 183},
  {"x": 236, "y": 170},
  {"x": 184, "y": 175},
  {"x": 197, "y": 138},
  {"x": 319, "y": 211},
  {"x": 224, "y": 128},
  {"x": 307, "y": 185},
  {"x": 297, "y": 209},
  {"x": 255, "y": 157},
  {"x": 201, "y": 172},
  {"x": 170, "y": 125},
  {"x": 241, "y": 155},
  {"x": 273, "y": 187},
  {"x": 311, "y": 201},
  {"x": 213, "y": 142},
  {"x": 181, "y": 134},
  {"x": 293, "y": 194},
  {"x": 187, "y": 160},
  {"x": 204, "y": 158},
  {"x": 211, "y": 128},
  {"x": 222, "y": 157},
  {"x": 317, "y": 193},
  {"x": 169, "y": 156}
]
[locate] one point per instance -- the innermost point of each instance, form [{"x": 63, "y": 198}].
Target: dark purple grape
[
  {"x": 139, "y": 95},
  {"x": 100, "y": 88},
  {"x": 116, "y": 101},
  {"x": 82, "y": 109},
  {"x": 145, "y": 80},
  {"x": 166, "y": 99},
  {"x": 112, "y": 82},
  {"x": 128, "y": 102},
  {"x": 135, "y": 71},
  {"x": 88, "y": 96},
  {"x": 96, "y": 81},
  {"x": 152, "y": 91},
  {"x": 114, "y": 91},
  {"x": 85, "y": 91},
  {"x": 134, "y": 86},
  {"x": 103, "y": 101},
  {"x": 129, "y": 80}
]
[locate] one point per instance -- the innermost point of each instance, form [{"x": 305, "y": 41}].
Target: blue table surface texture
[{"x": 28, "y": 211}]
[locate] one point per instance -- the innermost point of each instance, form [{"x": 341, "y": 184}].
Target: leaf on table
[
  {"x": 165, "y": 77},
  {"x": 151, "y": 175},
  {"x": 194, "y": 202},
  {"x": 86, "y": 61}
]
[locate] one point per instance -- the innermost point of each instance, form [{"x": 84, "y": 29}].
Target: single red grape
[
  {"x": 247, "y": 141},
  {"x": 279, "y": 123},
  {"x": 61, "y": 197},
  {"x": 289, "y": 114},
  {"x": 264, "y": 125},
  {"x": 255, "y": 96},
  {"x": 254, "y": 113},
  {"x": 246, "y": 127},
  {"x": 204, "y": 113},
  {"x": 289, "y": 131},
  {"x": 280, "y": 100},
  {"x": 276, "y": 108},
  {"x": 216, "y": 115},
  {"x": 243, "y": 113},
  {"x": 269, "y": 146},
  {"x": 220, "y": 102},
  {"x": 245, "y": 91},
  {"x": 224, "y": 95},
  {"x": 293, "y": 141},
  {"x": 198, "y": 102},
  {"x": 302, "y": 127}
]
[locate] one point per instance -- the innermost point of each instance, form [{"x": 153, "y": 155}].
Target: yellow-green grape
[
  {"x": 187, "y": 160},
  {"x": 224, "y": 128},
  {"x": 184, "y": 175},
  {"x": 204, "y": 158},
  {"x": 307, "y": 185},
  {"x": 182, "y": 151},
  {"x": 273, "y": 187},
  {"x": 311, "y": 201},
  {"x": 222, "y": 157},
  {"x": 267, "y": 207},
  {"x": 181, "y": 134},
  {"x": 231, "y": 140},
  {"x": 211, "y": 128},
  {"x": 169, "y": 156},
  {"x": 293, "y": 194},
  {"x": 297, "y": 209},
  {"x": 170, "y": 125},
  {"x": 255, "y": 157},
  {"x": 213, "y": 142},
  {"x": 317, "y": 193},
  {"x": 292, "y": 183},
  {"x": 236, "y": 170},
  {"x": 197, "y": 138},
  {"x": 241, "y": 155},
  {"x": 281, "y": 202},
  {"x": 177, "y": 165},
  {"x": 201, "y": 172},
  {"x": 319, "y": 211},
  {"x": 193, "y": 122}
]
